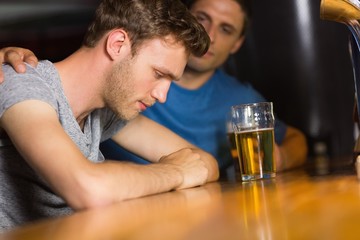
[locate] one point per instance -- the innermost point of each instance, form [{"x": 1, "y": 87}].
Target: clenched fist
[{"x": 189, "y": 163}]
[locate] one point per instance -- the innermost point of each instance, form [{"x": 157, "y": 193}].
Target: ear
[
  {"x": 237, "y": 45},
  {"x": 117, "y": 43}
]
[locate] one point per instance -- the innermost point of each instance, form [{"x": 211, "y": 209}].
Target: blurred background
[
  {"x": 51, "y": 28},
  {"x": 291, "y": 56}
]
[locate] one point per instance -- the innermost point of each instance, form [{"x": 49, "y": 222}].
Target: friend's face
[
  {"x": 224, "y": 22},
  {"x": 138, "y": 82}
]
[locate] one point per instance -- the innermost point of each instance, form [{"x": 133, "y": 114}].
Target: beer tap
[{"x": 348, "y": 13}]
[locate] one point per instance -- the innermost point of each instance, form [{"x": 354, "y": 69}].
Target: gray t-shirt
[{"x": 24, "y": 196}]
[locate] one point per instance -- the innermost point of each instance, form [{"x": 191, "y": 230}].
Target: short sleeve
[{"x": 20, "y": 87}]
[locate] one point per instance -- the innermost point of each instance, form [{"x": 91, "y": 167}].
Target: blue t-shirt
[{"x": 199, "y": 116}]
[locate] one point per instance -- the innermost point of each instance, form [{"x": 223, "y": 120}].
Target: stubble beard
[{"x": 120, "y": 89}]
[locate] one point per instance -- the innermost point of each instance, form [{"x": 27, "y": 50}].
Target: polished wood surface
[{"x": 299, "y": 204}]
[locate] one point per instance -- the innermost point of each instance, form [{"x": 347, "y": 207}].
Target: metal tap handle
[{"x": 348, "y": 13}]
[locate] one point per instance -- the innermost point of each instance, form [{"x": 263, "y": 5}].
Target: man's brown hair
[{"x": 148, "y": 19}]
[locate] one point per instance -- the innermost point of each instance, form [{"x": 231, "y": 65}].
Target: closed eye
[{"x": 158, "y": 75}]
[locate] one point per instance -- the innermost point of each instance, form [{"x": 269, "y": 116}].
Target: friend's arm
[
  {"x": 293, "y": 150},
  {"x": 34, "y": 128},
  {"x": 157, "y": 142},
  {"x": 16, "y": 57}
]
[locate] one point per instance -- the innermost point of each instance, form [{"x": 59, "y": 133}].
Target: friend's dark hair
[
  {"x": 148, "y": 19},
  {"x": 245, "y": 6}
]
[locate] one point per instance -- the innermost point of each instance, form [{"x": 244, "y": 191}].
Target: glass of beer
[
  {"x": 253, "y": 125},
  {"x": 232, "y": 145}
]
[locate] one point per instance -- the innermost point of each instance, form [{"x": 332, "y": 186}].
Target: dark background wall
[
  {"x": 294, "y": 58},
  {"x": 51, "y": 28}
]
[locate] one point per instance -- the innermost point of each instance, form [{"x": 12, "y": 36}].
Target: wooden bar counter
[{"x": 297, "y": 204}]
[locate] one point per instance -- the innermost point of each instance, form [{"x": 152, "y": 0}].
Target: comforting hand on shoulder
[{"x": 16, "y": 57}]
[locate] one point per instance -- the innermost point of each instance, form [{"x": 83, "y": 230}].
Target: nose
[
  {"x": 211, "y": 31},
  {"x": 161, "y": 90}
]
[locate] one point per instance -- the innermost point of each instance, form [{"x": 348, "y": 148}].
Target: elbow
[
  {"x": 85, "y": 200},
  {"x": 296, "y": 143},
  {"x": 89, "y": 193},
  {"x": 303, "y": 149}
]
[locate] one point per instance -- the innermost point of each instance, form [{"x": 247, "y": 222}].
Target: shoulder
[
  {"x": 235, "y": 87},
  {"x": 228, "y": 81},
  {"x": 32, "y": 84},
  {"x": 43, "y": 69},
  {"x": 33, "y": 80}
]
